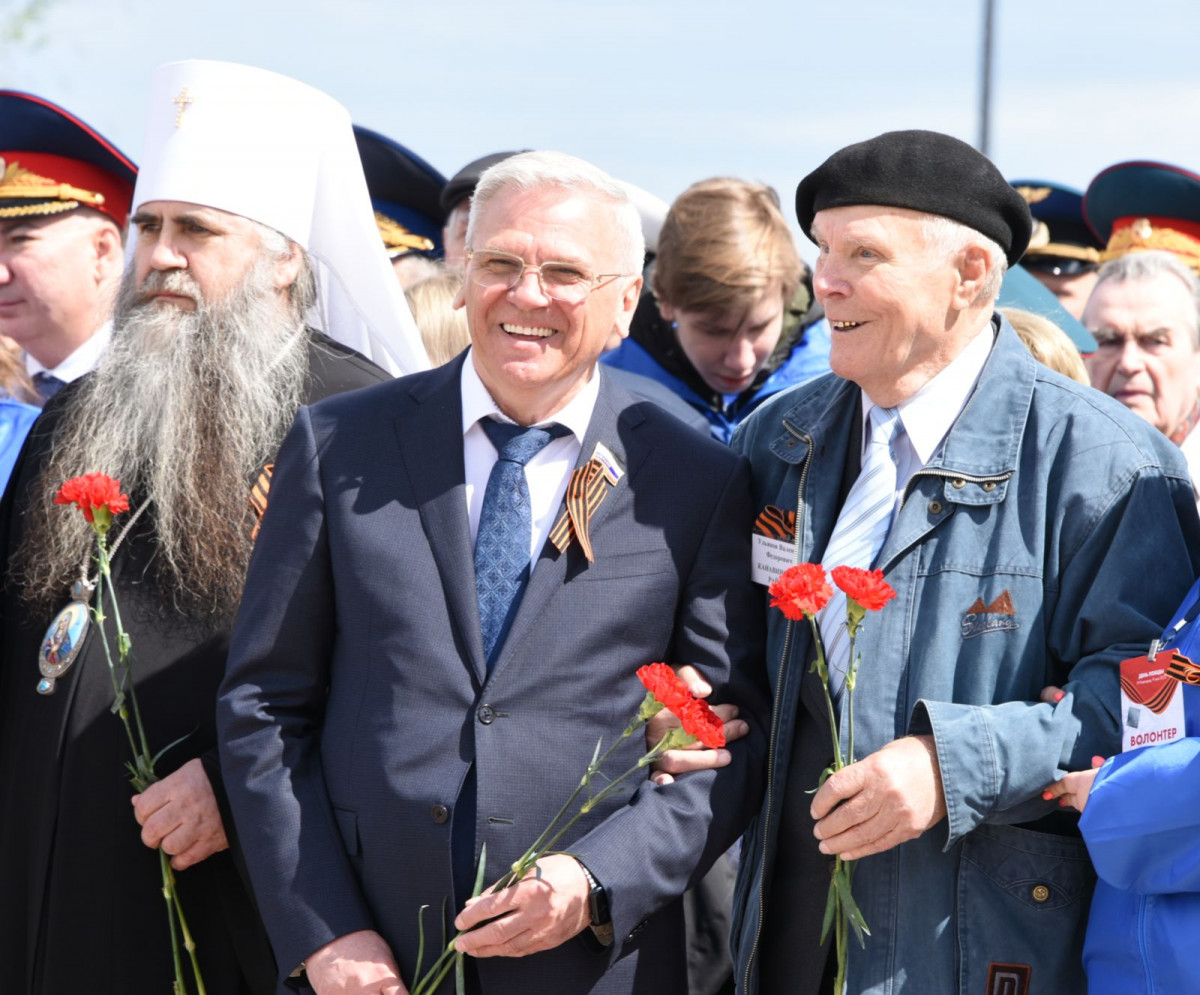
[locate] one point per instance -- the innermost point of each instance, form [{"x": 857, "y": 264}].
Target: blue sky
[{"x": 665, "y": 92}]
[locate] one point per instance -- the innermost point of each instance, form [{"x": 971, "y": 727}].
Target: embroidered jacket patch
[{"x": 999, "y": 616}]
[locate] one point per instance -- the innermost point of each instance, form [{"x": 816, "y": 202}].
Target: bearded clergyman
[{"x": 251, "y": 228}]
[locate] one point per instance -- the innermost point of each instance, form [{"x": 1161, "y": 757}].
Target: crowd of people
[{"x": 422, "y": 470}]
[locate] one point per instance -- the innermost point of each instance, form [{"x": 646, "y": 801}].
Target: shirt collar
[
  {"x": 477, "y": 403},
  {"x": 82, "y": 360},
  {"x": 929, "y": 413}
]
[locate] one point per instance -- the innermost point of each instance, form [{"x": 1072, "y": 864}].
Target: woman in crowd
[
  {"x": 17, "y": 412},
  {"x": 731, "y": 320}
]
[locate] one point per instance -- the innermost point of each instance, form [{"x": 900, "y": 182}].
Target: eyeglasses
[{"x": 564, "y": 282}]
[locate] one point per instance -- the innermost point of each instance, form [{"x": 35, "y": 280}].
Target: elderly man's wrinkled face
[
  {"x": 532, "y": 351},
  {"x": 1145, "y": 354},
  {"x": 184, "y": 251},
  {"x": 888, "y": 297}
]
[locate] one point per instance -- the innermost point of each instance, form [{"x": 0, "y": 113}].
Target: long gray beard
[{"x": 184, "y": 408}]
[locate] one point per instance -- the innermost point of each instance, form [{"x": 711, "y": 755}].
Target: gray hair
[
  {"x": 1150, "y": 264},
  {"x": 302, "y": 294},
  {"x": 541, "y": 170},
  {"x": 948, "y": 237}
]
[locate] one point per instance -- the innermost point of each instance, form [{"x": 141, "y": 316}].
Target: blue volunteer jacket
[{"x": 1142, "y": 828}]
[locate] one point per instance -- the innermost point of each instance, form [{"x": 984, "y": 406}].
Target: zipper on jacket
[
  {"x": 953, "y": 475},
  {"x": 775, "y": 713}
]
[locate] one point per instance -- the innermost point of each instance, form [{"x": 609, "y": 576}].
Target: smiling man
[
  {"x": 212, "y": 353},
  {"x": 1145, "y": 316},
  {"x": 428, "y": 651},
  {"x": 1029, "y": 527}
]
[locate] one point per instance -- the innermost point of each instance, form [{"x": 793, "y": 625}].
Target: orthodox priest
[{"x": 252, "y": 229}]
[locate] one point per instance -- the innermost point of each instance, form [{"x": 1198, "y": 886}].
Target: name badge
[
  {"x": 774, "y": 544},
  {"x": 770, "y": 558},
  {"x": 1151, "y": 702}
]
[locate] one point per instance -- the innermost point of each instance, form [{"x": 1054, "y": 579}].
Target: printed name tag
[
  {"x": 1151, "y": 702},
  {"x": 770, "y": 558}
]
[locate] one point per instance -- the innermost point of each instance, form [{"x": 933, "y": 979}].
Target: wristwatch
[
  {"x": 601, "y": 927},
  {"x": 597, "y": 900}
]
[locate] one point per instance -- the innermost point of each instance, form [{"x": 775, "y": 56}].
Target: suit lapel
[
  {"x": 433, "y": 425},
  {"x": 612, "y": 423}
]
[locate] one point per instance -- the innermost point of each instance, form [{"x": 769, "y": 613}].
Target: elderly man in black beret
[{"x": 1034, "y": 532}]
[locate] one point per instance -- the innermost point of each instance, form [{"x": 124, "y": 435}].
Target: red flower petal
[
  {"x": 801, "y": 591},
  {"x": 694, "y": 715},
  {"x": 867, "y": 587},
  {"x": 93, "y": 491}
]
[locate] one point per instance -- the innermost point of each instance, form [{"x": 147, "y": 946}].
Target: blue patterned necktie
[
  {"x": 862, "y": 526},
  {"x": 502, "y": 553},
  {"x": 47, "y": 385}
]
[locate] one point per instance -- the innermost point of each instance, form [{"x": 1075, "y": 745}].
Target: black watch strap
[{"x": 601, "y": 914}]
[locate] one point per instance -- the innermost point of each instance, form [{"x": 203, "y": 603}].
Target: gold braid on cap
[
  {"x": 1142, "y": 236},
  {"x": 397, "y": 239},
  {"x": 1061, "y": 250},
  {"x": 18, "y": 183}
]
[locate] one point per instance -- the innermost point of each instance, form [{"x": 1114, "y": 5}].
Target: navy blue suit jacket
[{"x": 357, "y": 699}]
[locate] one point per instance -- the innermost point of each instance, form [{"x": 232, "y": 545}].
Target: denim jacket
[{"x": 1051, "y": 536}]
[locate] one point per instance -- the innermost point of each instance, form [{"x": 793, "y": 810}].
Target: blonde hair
[
  {"x": 14, "y": 381},
  {"x": 443, "y": 329},
  {"x": 1049, "y": 344},
  {"x": 724, "y": 242}
]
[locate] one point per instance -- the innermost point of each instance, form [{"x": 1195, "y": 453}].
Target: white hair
[
  {"x": 948, "y": 238},
  {"x": 1148, "y": 264},
  {"x": 541, "y": 170}
]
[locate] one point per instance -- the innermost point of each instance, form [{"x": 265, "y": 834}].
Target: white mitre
[{"x": 275, "y": 150}]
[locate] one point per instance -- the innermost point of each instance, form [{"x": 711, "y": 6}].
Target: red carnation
[
  {"x": 96, "y": 494},
  {"x": 702, "y": 722},
  {"x": 801, "y": 591},
  {"x": 866, "y": 587},
  {"x": 666, "y": 686},
  {"x": 694, "y": 715}
]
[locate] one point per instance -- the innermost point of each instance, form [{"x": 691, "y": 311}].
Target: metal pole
[{"x": 985, "y": 87}]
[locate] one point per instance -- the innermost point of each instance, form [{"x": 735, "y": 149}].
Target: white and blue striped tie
[{"x": 858, "y": 536}]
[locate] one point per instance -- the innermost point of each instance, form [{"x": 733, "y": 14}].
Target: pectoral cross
[{"x": 182, "y": 102}]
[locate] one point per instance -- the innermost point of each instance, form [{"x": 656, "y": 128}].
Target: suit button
[
  {"x": 487, "y": 714},
  {"x": 1040, "y": 893},
  {"x": 440, "y": 814}
]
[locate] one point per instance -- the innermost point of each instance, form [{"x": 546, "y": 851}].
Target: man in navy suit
[{"x": 391, "y": 706}]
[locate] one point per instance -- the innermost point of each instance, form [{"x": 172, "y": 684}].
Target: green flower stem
[
  {"x": 545, "y": 842},
  {"x": 841, "y": 937},
  {"x": 823, "y": 672},
  {"x": 189, "y": 943},
  {"x": 539, "y": 846},
  {"x": 142, "y": 768},
  {"x": 168, "y": 896}
]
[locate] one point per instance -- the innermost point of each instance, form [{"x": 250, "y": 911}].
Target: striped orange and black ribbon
[
  {"x": 588, "y": 487},
  {"x": 775, "y": 523},
  {"x": 258, "y": 496},
  {"x": 1182, "y": 669}
]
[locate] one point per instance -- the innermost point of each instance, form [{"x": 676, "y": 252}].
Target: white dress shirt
[
  {"x": 929, "y": 413},
  {"x": 82, "y": 360},
  {"x": 547, "y": 474}
]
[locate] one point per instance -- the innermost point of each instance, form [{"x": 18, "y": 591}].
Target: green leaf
[
  {"x": 831, "y": 904},
  {"x": 852, "y": 912},
  {"x": 159, "y": 755}
]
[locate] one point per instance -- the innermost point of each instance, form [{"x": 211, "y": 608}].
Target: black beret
[
  {"x": 463, "y": 183},
  {"x": 922, "y": 171}
]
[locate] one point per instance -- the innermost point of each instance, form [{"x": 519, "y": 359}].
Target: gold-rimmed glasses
[{"x": 566, "y": 282}]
